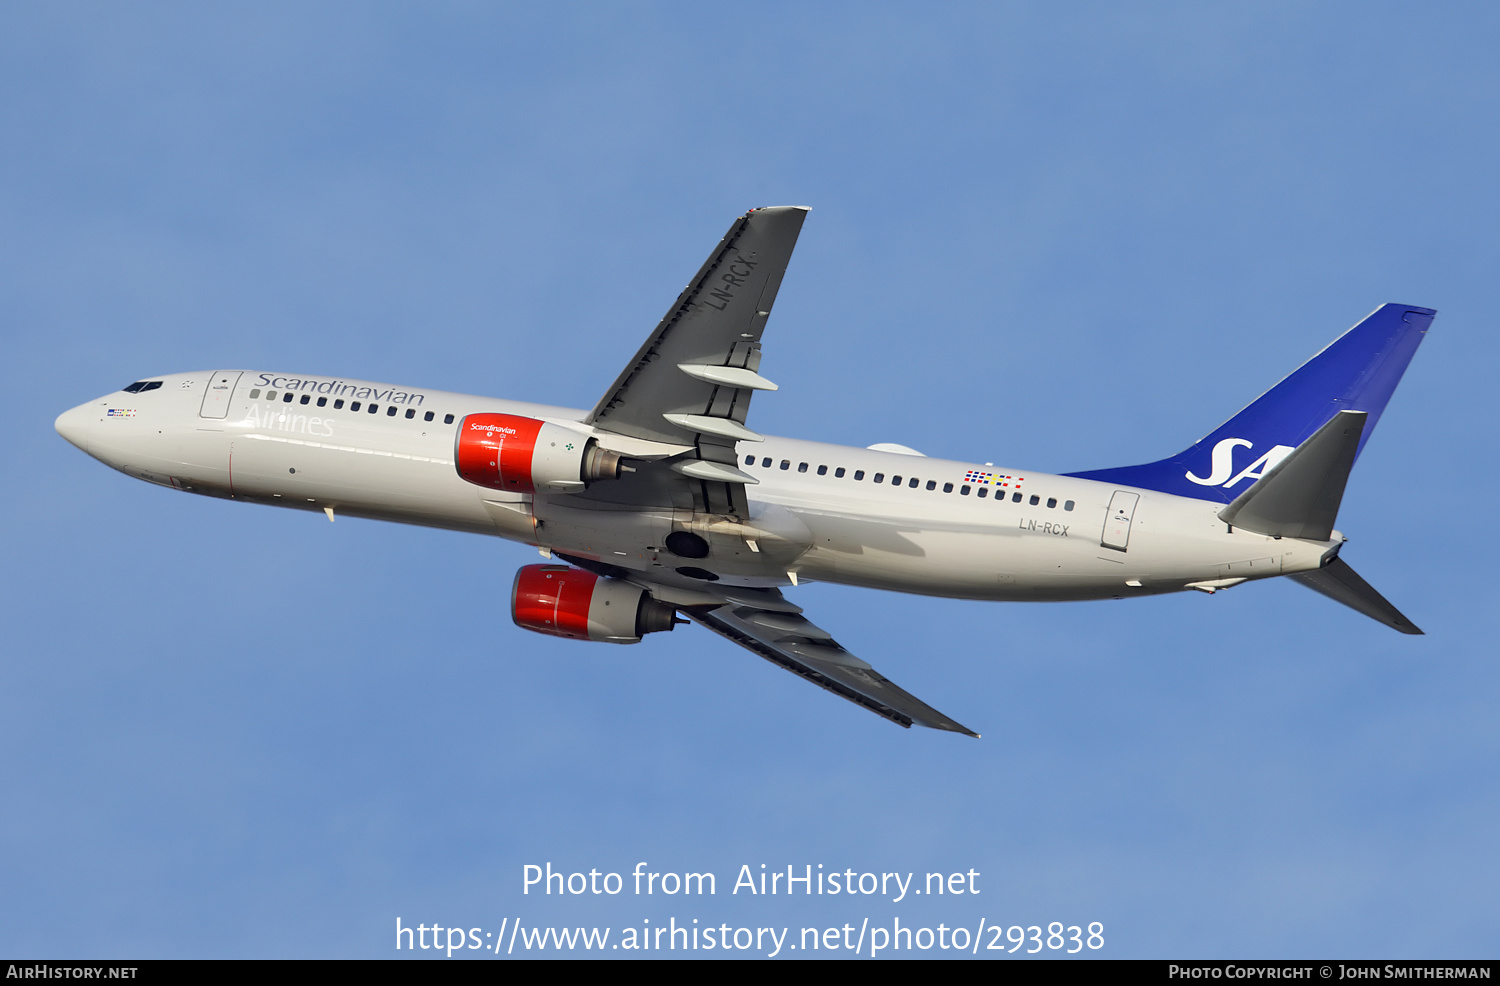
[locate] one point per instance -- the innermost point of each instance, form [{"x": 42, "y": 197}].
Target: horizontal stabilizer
[
  {"x": 1299, "y": 497},
  {"x": 1339, "y": 582}
]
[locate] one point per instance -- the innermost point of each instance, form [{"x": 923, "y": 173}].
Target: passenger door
[{"x": 1117, "y": 522}]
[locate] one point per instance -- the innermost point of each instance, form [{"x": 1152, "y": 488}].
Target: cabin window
[
  {"x": 447, "y": 419},
  {"x": 306, "y": 399},
  {"x": 915, "y": 482},
  {"x": 354, "y": 405},
  {"x": 765, "y": 463},
  {"x": 255, "y": 394},
  {"x": 983, "y": 492},
  {"x": 1051, "y": 502},
  {"x": 749, "y": 460},
  {"x": 270, "y": 395},
  {"x": 427, "y": 416},
  {"x": 838, "y": 473},
  {"x": 286, "y": 398},
  {"x": 859, "y": 474},
  {"x": 1068, "y": 505},
  {"x": 932, "y": 484},
  {"x": 411, "y": 412},
  {"x": 390, "y": 412},
  {"x": 802, "y": 467},
  {"x": 964, "y": 490},
  {"x": 322, "y": 402},
  {"x": 1035, "y": 499},
  {"x": 1015, "y": 498},
  {"x": 880, "y": 477},
  {"x": 947, "y": 487},
  {"x": 373, "y": 408},
  {"x": 895, "y": 480},
  {"x": 822, "y": 470},
  {"x": 338, "y": 405},
  {"x": 786, "y": 464}
]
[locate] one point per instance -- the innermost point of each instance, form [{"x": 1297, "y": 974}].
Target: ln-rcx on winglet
[{"x": 661, "y": 501}]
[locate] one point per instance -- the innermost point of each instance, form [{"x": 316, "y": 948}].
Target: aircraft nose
[{"x": 74, "y": 425}]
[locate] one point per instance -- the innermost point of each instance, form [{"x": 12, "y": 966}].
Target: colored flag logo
[
  {"x": 981, "y": 478},
  {"x": 120, "y": 412}
]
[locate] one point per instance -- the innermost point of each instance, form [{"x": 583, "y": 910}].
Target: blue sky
[{"x": 1056, "y": 239}]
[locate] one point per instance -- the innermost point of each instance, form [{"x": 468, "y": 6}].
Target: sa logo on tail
[{"x": 1223, "y": 463}]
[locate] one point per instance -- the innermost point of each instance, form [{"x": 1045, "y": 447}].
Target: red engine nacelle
[
  {"x": 520, "y": 454},
  {"x": 568, "y": 602}
]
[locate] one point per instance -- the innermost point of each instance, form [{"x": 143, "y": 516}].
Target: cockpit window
[{"x": 141, "y": 386}]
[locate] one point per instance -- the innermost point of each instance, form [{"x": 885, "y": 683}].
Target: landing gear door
[
  {"x": 216, "y": 398},
  {"x": 1117, "y": 523}
]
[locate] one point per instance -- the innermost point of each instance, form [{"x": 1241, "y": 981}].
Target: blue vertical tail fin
[{"x": 1358, "y": 371}]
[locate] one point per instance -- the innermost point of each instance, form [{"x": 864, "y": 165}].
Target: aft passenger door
[{"x": 1117, "y": 521}]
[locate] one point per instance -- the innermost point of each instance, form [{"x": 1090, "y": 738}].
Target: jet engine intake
[
  {"x": 518, "y": 454},
  {"x": 563, "y": 601}
]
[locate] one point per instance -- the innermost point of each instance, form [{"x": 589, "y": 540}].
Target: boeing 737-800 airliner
[{"x": 661, "y": 502}]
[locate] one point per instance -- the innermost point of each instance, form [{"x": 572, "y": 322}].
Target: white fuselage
[{"x": 819, "y": 512}]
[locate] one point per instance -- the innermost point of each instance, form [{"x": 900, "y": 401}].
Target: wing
[
  {"x": 767, "y": 623},
  {"x": 764, "y": 621},
  {"x": 691, "y": 382}
]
